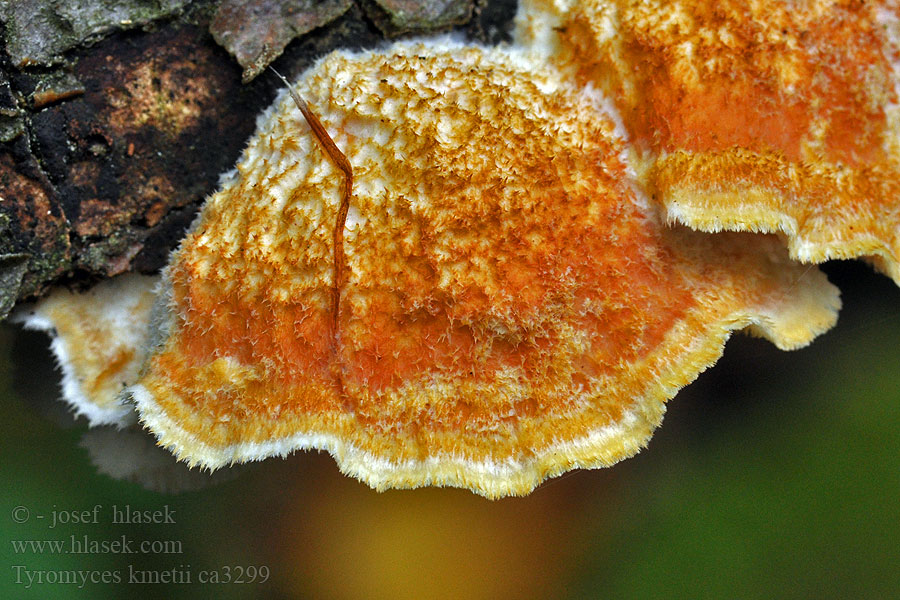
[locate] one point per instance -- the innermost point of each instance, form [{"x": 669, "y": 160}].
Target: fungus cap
[
  {"x": 511, "y": 306},
  {"x": 768, "y": 116}
]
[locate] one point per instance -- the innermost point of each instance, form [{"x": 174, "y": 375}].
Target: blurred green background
[{"x": 775, "y": 475}]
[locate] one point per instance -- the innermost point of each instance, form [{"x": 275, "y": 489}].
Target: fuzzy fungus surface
[
  {"x": 467, "y": 266},
  {"x": 99, "y": 341},
  {"x": 768, "y": 116},
  {"x": 511, "y": 305}
]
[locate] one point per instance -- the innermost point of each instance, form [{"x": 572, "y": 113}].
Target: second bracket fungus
[
  {"x": 510, "y": 306},
  {"x": 768, "y": 116},
  {"x": 99, "y": 340}
]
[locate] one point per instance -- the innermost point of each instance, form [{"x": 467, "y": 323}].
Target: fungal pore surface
[{"x": 470, "y": 267}]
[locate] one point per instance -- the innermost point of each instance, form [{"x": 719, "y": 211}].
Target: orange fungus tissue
[
  {"x": 483, "y": 267},
  {"x": 509, "y": 304},
  {"x": 766, "y": 116}
]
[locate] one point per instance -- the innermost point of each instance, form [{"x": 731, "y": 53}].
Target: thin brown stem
[{"x": 341, "y": 162}]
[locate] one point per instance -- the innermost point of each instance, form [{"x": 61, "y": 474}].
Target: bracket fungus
[
  {"x": 460, "y": 266},
  {"x": 100, "y": 342},
  {"x": 510, "y": 306},
  {"x": 770, "y": 116}
]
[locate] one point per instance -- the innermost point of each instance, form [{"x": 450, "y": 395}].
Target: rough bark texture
[{"x": 116, "y": 118}]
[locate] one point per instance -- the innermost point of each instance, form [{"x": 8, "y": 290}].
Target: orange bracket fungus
[
  {"x": 468, "y": 267},
  {"x": 767, "y": 116},
  {"x": 511, "y": 307}
]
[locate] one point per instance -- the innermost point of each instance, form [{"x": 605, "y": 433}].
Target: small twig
[{"x": 340, "y": 160}]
